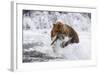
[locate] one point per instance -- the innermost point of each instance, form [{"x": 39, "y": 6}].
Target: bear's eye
[{"x": 56, "y": 31}]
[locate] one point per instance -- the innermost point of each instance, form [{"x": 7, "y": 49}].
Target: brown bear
[{"x": 63, "y": 31}]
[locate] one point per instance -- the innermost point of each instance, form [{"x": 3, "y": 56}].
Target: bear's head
[{"x": 57, "y": 29}]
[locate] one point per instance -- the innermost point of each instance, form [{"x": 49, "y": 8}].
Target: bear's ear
[{"x": 54, "y": 24}]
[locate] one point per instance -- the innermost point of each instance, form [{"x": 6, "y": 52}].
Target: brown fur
[{"x": 66, "y": 31}]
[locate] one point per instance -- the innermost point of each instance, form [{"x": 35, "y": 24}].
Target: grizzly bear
[{"x": 62, "y": 31}]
